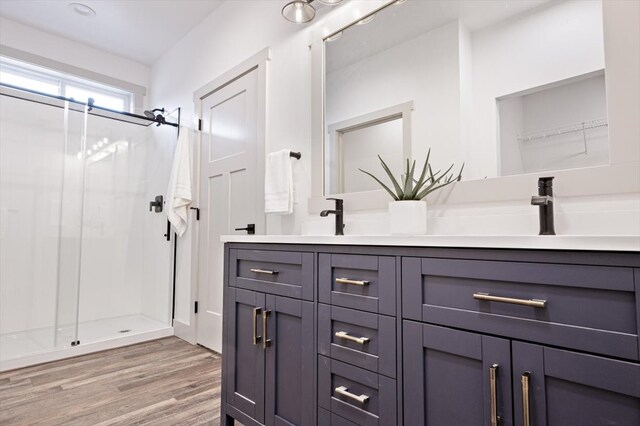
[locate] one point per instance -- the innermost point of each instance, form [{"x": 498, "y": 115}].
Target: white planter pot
[{"x": 408, "y": 217}]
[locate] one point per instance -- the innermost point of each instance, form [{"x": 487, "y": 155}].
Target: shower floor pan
[{"x": 31, "y": 347}]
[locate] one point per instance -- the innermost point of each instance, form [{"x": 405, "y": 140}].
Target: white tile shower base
[{"x": 36, "y": 346}]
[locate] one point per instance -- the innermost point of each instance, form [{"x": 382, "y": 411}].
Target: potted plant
[{"x": 408, "y": 211}]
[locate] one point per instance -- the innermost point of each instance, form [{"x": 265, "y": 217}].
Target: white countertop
[{"x": 547, "y": 242}]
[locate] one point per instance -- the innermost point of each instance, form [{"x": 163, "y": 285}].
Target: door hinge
[
  {"x": 195, "y": 308},
  {"x": 200, "y": 124},
  {"x": 197, "y": 209}
]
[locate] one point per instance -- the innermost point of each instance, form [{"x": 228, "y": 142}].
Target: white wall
[
  {"x": 233, "y": 33},
  {"x": 31, "y": 40},
  {"x": 30, "y": 177}
]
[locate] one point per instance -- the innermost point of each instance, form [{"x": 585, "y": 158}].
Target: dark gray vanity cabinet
[
  {"x": 244, "y": 356},
  {"x": 269, "y": 348},
  {"x": 559, "y": 387},
  {"x": 354, "y": 335},
  {"x": 543, "y": 338},
  {"x": 467, "y": 378},
  {"x": 455, "y": 377}
]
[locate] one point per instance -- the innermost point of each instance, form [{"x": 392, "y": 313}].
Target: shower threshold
[{"x": 32, "y": 347}]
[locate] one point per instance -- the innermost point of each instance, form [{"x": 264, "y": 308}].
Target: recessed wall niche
[{"x": 558, "y": 126}]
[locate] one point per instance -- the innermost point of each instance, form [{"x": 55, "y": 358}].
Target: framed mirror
[{"x": 508, "y": 87}]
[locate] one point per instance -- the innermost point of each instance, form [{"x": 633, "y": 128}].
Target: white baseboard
[{"x": 184, "y": 331}]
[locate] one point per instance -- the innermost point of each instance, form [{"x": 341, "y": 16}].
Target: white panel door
[{"x": 230, "y": 190}]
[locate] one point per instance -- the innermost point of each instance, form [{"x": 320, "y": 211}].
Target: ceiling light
[
  {"x": 366, "y": 20},
  {"x": 330, "y": 2},
  {"x": 82, "y": 9},
  {"x": 400, "y": 1},
  {"x": 334, "y": 37},
  {"x": 298, "y": 11}
]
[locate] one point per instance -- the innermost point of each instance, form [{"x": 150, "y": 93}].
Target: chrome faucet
[
  {"x": 544, "y": 200},
  {"x": 339, "y": 212}
]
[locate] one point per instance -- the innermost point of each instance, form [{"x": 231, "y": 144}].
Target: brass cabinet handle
[
  {"x": 342, "y": 390},
  {"x": 256, "y": 312},
  {"x": 263, "y": 271},
  {"x": 535, "y": 303},
  {"x": 493, "y": 389},
  {"x": 526, "y": 414},
  {"x": 352, "y": 282},
  {"x": 345, "y": 336},
  {"x": 266, "y": 342}
]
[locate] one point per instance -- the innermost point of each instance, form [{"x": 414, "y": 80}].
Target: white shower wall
[{"x": 30, "y": 184}]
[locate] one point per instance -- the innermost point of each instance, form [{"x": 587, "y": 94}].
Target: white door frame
[{"x": 258, "y": 61}]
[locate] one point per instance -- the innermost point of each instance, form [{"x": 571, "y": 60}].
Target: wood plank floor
[{"x": 162, "y": 382}]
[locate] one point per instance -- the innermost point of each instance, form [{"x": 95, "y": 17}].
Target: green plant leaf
[
  {"x": 408, "y": 181},
  {"x": 408, "y": 188},
  {"x": 420, "y": 182},
  {"x": 397, "y": 187},
  {"x": 381, "y": 184}
]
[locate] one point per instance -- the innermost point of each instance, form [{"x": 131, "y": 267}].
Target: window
[{"x": 50, "y": 82}]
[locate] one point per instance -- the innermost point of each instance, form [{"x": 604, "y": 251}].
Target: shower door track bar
[{"x": 20, "y": 92}]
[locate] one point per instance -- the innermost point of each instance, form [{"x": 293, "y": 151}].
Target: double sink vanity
[
  {"x": 454, "y": 330},
  {"x": 450, "y": 330}
]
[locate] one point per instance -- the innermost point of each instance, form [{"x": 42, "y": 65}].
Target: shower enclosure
[{"x": 84, "y": 264}]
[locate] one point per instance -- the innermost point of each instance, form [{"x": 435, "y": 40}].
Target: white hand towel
[
  {"x": 179, "y": 191},
  {"x": 278, "y": 183}
]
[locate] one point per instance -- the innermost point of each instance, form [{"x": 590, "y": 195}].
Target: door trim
[{"x": 259, "y": 62}]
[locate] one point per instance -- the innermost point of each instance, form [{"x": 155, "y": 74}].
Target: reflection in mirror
[
  {"x": 487, "y": 79},
  {"x": 561, "y": 126},
  {"x": 356, "y": 143}
]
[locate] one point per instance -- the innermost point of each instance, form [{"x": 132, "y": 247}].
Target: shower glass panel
[
  {"x": 33, "y": 168},
  {"x": 82, "y": 258},
  {"x": 126, "y": 260}
]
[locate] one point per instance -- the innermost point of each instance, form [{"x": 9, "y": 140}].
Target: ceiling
[{"x": 141, "y": 30}]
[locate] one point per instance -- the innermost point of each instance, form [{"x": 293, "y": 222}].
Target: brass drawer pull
[
  {"x": 345, "y": 336},
  {"x": 263, "y": 271},
  {"x": 256, "y": 312},
  {"x": 342, "y": 390},
  {"x": 493, "y": 389},
  {"x": 266, "y": 342},
  {"x": 535, "y": 303},
  {"x": 526, "y": 415},
  {"x": 352, "y": 282}
]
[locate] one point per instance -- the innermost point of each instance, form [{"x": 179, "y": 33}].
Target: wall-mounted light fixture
[{"x": 301, "y": 11}]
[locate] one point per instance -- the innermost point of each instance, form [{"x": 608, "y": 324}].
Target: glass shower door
[{"x": 36, "y": 143}]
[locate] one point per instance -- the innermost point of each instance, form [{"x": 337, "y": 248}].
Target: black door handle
[{"x": 251, "y": 229}]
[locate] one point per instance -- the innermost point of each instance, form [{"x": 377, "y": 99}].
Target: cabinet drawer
[
  {"x": 577, "y": 311},
  {"x": 360, "y": 396},
  {"x": 326, "y": 418},
  {"x": 282, "y": 273},
  {"x": 361, "y": 282},
  {"x": 360, "y": 338}
]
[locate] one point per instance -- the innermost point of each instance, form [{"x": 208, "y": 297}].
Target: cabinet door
[
  {"x": 447, "y": 377},
  {"x": 244, "y": 353},
  {"x": 290, "y": 371},
  {"x": 569, "y": 388}
]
